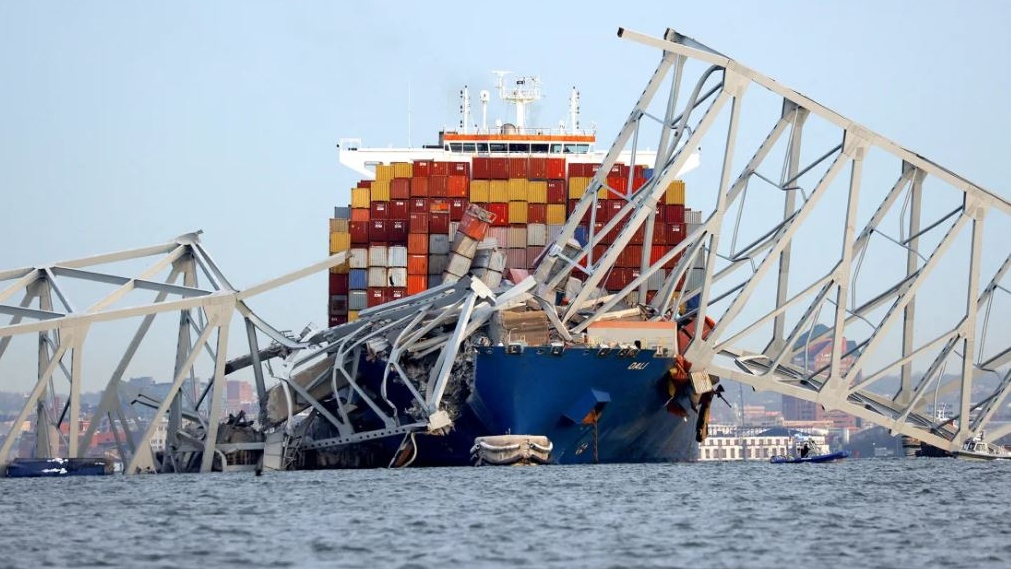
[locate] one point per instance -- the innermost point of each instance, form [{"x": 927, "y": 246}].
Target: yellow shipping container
[
  {"x": 517, "y": 189},
  {"x": 556, "y": 214},
  {"x": 339, "y": 225},
  {"x": 340, "y": 242},
  {"x": 380, "y": 191},
  {"x": 480, "y": 191},
  {"x": 517, "y": 212},
  {"x": 402, "y": 170},
  {"x": 537, "y": 191},
  {"x": 360, "y": 197},
  {"x": 352, "y": 315},
  {"x": 577, "y": 186},
  {"x": 675, "y": 193},
  {"x": 384, "y": 172},
  {"x": 498, "y": 191}
]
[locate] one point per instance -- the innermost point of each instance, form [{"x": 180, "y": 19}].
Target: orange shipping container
[
  {"x": 417, "y": 244},
  {"x": 416, "y": 284},
  {"x": 360, "y": 214},
  {"x": 457, "y": 186},
  {"x": 419, "y": 187},
  {"x": 417, "y": 264}
]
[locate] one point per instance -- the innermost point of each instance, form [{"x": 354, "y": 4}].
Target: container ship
[{"x": 613, "y": 394}]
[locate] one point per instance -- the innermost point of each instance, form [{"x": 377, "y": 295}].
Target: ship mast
[{"x": 525, "y": 90}]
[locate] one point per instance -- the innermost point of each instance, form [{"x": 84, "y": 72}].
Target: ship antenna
[
  {"x": 526, "y": 90},
  {"x": 464, "y": 109},
  {"x": 485, "y": 96},
  {"x": 574, "y": 109}
]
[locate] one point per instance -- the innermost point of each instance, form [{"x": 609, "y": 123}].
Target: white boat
[{"x": 977, "y": 449}]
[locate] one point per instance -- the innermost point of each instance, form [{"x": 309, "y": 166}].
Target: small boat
[
  {"x": 976, "y": 449},
  {"x": 830, "y": 457}
]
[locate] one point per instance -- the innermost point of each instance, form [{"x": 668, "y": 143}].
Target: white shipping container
[
  {"x": 492, "y": 278},
  {"x": 378, "y": 257},
  {"x": 458, "y": 266},
  {"x": 537, "y": 235},
  {"x": 691, "y": 227},
  {"x": 357, "y": 300},
  {"x": 693, "y": 216},
  {"x": 517, "y": 237},
  {"x": 438, "y": 244},
  {"x": 397, "y": 256},
  {"x": 454, "y": 226},
  {"x": 554, "y": 231},
  {"x": 359, "y": 258},
  {"x": 488, "y": 243},
  {"x": 695, "y": 278},
  {"x": 377, "y": 277},
  {"x": 398, "y": 276},
  {"x": 464, "y": 245},
  {"x": 497, "y": 261},
  {"x": 499, "y": 234}
]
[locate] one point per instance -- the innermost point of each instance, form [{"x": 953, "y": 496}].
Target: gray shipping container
[
  {"x": 357, "y": 300},
  {"x": 437, "y": 263},
  {"x": 438, "y": 244},
  {"x": 464, "y": 245}
]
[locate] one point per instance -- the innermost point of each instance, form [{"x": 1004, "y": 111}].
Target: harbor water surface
[{"x": 859, "y": 513}]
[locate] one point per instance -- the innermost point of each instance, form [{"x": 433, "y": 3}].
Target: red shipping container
[
  {"x": 438, "y": 205},
  {"x": 377, "y": 231},
  {"x": 501, "y": 211},
  {"x": 616, "y": 206},
  {"x": 590, "y": 170},
  {"x": 438, "y": 186},
  {"x": 537, "y": 213},
  {"x": 417, "y": 205},
  {"x": 458, "y": 186},
  {"x": 607, "y": 238},
  {"x": 604, "y": 211},
  {"x": 338, "y": 319},
  {"x": 556, "y": 191},
  {"x": 459, "y": 169},
  {"x": 456, "y": 209},
  {"x": 673, "y": 213},
  {"x": 379, "y": 210},
  {"x": 400, "y": 188},
  {"x": 675, "y": 233},
  {"x": 532, "y": 254},
  {"x": 397, "y": 209},
  {"x": 365, "y": 184},
  {"x": 618, "y": 278},
  {"x": 417, "y": 264},
  {"x": 416, "y": 284},
  {"x": 374, "y": 296},
  {"x": 556, "y": 168},
  {"x": 339, "y": 283},
  {"x": 438, "y": 223},
  {"x": 440, "y": 169},
  {"x": 359, "y": 232},
  {"x": 397, "y": 231},
  {"x": 397, "y": 293},
  {"x": 473, "y": 227},
  {"x": 360, "y": 214},
  {"x": 639, "y": 171},
  {"x": 482, "y": 168},
  {"x": 638, "y": 182},
  {"x": 518, "y": 167},
  {"x": 598, "y": 252},
  {"x": 417, "y": 244},
  {"x": 620, "y": 170},
  {"x": 657, "y": 252},
  {"x": 498, "y": 168},
  {"x": 418, "y": 223},
  {"x": 618, "y": 184},
  {"x": 638, "y": 235},
  {"x": 421, "y": 168},
  {"x": 538, "y": 168},
  {"x": 632, "y": 256},
  {"x": 419, "y": 187},
  {"x": 659, "y": 233}
]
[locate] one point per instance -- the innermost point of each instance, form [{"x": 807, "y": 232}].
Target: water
[{"x": 859, "y": 513}]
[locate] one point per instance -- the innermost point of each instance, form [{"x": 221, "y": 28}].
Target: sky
[{"x": 124, "y": 125}]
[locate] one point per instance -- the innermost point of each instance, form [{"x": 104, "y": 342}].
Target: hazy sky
[{"x": 126, "y": 124}]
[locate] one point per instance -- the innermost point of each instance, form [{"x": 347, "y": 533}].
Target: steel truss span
[
  {"x": 183, "y": 280},
  {"x": 838, "y": 266}
]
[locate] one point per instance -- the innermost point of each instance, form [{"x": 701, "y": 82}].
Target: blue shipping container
[{"x": 359, "y": 279}]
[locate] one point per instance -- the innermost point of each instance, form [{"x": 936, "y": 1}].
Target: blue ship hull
[
  {"x": 535, "y": 392},
  {"x": 57, "y": 467}
]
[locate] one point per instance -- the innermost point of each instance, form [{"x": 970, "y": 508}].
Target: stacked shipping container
[{"x": 400, "y": 226}]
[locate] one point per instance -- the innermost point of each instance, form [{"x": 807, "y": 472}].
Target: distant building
[
  {"x": 818, "y": 356},
  {"x": 729, "y": 442}
]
